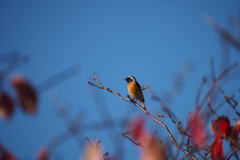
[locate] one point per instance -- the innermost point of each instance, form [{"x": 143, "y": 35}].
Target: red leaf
[
  {"x": 42, "y": 154},
  {"x": 216, "y": 149},
  {"x": 136, "y": 125},
  {"x": 6, "y": 106},
  {"x": 197, "y": 130},
  {"x": 153, "y": 149},
  {"x": 223, "y": 124},
  {"x": 5, "y": 154},
  {"x": 219, "y": 127},
  {"x": 26, "y": 95},
  {"x": 232, "y": 136}
]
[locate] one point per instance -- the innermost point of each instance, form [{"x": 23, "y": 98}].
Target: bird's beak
[{"x": 124, "y": 79}]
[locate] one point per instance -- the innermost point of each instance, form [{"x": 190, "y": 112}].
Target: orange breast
[{"x": 134, "y": 91}]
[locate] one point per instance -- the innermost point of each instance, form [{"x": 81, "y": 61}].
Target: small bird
[{"x": 134, "y": 89}]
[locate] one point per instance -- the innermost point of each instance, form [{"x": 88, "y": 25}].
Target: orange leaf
[
  {"x": 6, "y": 106},
  {"x": 216, "y": 149},
  {"x": 154, "y": 150},
  {"x": 26, "y": 95},
  {"x": 91, "y": 153}
]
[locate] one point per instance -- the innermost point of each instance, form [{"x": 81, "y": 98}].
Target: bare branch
[
  {"x": 89, "y": 142},
  {"x": 100, "y": 86},
  {"x": 200, "y": 87},
  {"x": 164, "y": 107},
  {"x": 210, "y": 106},
  {"x": 159, "y": 115},
  {"x": 233, "y": 103},
  {"x": 58, "y": 78},
  {"x": 226, "y": 36}
]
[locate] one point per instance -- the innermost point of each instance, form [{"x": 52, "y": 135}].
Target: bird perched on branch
[{"x": 134, "y": 89}]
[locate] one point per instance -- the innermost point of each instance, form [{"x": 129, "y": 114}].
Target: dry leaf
[
  {"x": 6, "y": 106},
  {"x": 26, "y": 94},
  {"x": 5, "y": 154}
]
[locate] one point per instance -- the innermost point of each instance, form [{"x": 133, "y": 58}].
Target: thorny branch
[{"x": 100, "y": 86}]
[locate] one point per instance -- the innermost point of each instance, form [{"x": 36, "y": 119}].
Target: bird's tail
[{"x": 143, "y": 105}]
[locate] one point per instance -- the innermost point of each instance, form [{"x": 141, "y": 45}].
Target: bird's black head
[{"x": 130, "y": 79}]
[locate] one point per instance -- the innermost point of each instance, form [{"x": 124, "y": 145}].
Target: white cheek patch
[{"x": 132, "y": 78}]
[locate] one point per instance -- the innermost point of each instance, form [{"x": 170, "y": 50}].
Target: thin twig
[
  {"x": 233, "y": 153},
  {"x": 199, "y": 90},
  {"x": 89, "y": 142},
  {"x": 210, "y": 106},
  {"x": 213, "y": 76},
  {"x": 213, "y": 84},
  {"x": 159, "y": 115},
  {"x": 136, "y": 143},
  {"x": 96, "y": 146},
  {"x": 13, "y": 64},
  {"x": 226, "y": 36},
  {"x": 165, "y": 108},
  {"x": 233, "y": 103},
  {"x": 57, "y": 78}
]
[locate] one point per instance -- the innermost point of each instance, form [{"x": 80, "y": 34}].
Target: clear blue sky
[{"x": 151, "y": 40}]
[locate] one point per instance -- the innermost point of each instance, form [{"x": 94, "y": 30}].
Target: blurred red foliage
[
  {"x": 216, "y": 149},
  {"x": 197, "y": 130},
  {"x": 42, "y": 154}
]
